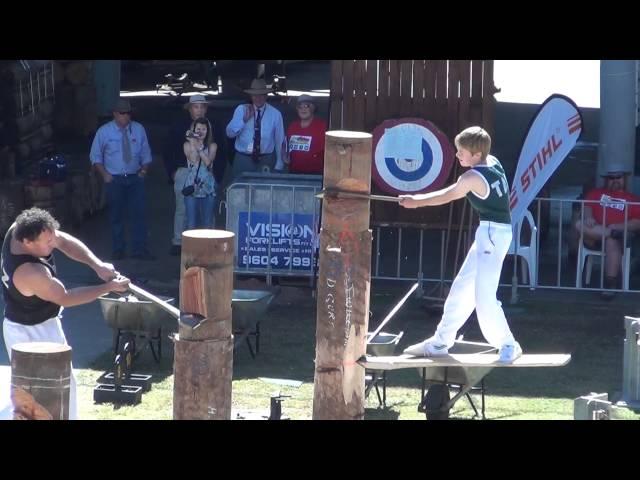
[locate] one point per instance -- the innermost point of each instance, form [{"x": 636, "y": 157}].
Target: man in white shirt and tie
[{"x": 258, "y": 130}]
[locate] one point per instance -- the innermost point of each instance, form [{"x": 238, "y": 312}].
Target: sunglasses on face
[
  {"x": 304, "y": 105},
  {"x": 614, "y": 177},
  {"x": 124, "y": 113}
]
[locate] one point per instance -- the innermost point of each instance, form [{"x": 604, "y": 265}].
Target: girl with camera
[{"x": 199, "y": 187}]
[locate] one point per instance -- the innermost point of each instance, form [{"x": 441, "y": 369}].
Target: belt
[
  {"x": 125, "y": 175},
  {"x": 250, "y": 155}
]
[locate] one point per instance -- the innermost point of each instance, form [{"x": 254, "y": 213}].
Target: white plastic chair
[
  {"x": 588, "y": 254},
  {"x": 528, "y": 253}
]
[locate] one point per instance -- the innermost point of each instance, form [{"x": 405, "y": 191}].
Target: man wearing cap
[
  {"x": 305, "y": 139},
  {"x": 605, "y": 220},
  {"x": 259, "y": 133},
  {"x": 175, "y": 161},
  {"x": 121, "y": 154}
]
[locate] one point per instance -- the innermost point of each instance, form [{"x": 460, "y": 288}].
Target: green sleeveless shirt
[{"x": 495, "y": 206}]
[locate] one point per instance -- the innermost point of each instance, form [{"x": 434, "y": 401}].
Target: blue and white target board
[{"x": 410, "y": 155}]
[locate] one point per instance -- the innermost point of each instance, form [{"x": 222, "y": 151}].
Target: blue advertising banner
[{"x": 292, "y": 245}]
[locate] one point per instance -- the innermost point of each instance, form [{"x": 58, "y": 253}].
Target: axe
[
  {"x": 191, "y": 320},
  {"x": 336, "y": 194}
]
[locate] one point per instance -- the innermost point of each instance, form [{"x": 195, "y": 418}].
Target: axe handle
[
  {"x": 393, "y": 312},
  {"x": 161, "y": 303},
  {"x": 338, "y": 194}
]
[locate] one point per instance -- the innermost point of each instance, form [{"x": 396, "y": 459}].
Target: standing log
[
  {"x": 344, "y": 280},
  {"x": 41, "y": 380},
  {"x": 203, "y": 361}
]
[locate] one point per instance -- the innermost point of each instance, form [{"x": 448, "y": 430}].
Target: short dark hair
[{"x": 32, "y": 222}]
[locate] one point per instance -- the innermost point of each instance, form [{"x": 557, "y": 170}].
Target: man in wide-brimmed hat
[
  {"x": 258, "y": 130},
  {"x": 121, "y": 154},
  {"x": 605, "y": 220},
  {"x": 176, "y": 163}
]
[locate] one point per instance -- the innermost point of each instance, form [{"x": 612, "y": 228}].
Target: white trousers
[
  {"x": 475, "y": 287},
  {"x": 48, "y": 331}
]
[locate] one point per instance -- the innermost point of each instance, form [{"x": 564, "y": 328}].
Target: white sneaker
[
  {"x": 510, "y": 352},
  {"x": 427, "y": 348}
]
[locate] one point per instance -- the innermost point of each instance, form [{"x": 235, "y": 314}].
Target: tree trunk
[
  {"x": 203, "y": 364},
  {"x": 41, "y": 380},
  {"x": 344, "y": 280}
]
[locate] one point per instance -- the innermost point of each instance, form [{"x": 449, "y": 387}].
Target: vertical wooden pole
[
  {"x": 344, "y": 280},
  {"x": 40, "y": 380},
  {"x": 203, "y": 361}
]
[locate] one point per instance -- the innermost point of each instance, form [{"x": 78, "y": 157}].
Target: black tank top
[{"x": 18, "y": 308}]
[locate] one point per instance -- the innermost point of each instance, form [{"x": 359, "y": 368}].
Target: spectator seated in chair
[{"x": 605, "y": 220}]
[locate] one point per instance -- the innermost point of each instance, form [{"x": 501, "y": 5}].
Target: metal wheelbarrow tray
[
  {"x": 248, "y": 309},
  {"x": 466, "y": 365},
  {"x": 382, "y": 345},
  {"x": 142, "y": 315}
]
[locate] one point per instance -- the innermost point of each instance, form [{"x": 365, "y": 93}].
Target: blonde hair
[{"x": 475, "y": 139}]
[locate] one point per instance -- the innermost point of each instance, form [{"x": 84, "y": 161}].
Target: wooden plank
[
  {"x": 465, "y": 360},
  {"x": 347, "y": 95},
  {"x": 488, "y": 100},
  {"x": 335, "y": 106},
  {"x": 417, "y": 104},
  {"x": 430, "y": 69},
  {"x": 440, "y": 110},
  {"x": 464, "y": 102},
  {"x": 406, "y": 74},
  {"x": 359, "y": 95},
  {"x": 452, "y": 97},
  {"x": 394, "y": 89},
  {"x": 372, "y": 95},
  {"x": 383, "y": 92}
]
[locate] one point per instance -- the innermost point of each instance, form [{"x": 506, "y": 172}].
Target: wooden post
[
  {"x": 40, "y": 380},
  {"x": 203, "y": 361},
  {"x": 344, "y": 280}
]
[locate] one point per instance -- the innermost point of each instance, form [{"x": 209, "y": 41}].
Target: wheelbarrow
[
  {"x": 142, "y": 317},
  {"x": 462, "y": 369},
  {"x": 437, "y": 382},
  {"x": 248, "y": 308},
  {"x": 382, "y": 345}
]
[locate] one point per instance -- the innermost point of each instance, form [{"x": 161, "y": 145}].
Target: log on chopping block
[
  {"x": 344, "y": 280},
  {"x": 203, "y": 361},
  {"x": 41, "y": 380}
]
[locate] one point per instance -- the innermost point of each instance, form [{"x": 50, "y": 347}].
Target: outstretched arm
[
  {"x": 74, "y": 248},
  {"x": 35, "y": 279},
  {"x": 467, "y": 182}
]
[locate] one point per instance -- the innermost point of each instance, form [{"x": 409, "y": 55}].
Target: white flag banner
[{"x": 553, "y": 133}]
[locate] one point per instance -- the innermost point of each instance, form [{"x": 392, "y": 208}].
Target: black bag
[{"x": 188, "y": 190}]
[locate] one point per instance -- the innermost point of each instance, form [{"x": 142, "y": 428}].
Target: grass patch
[{"x": 544, "y": 322}]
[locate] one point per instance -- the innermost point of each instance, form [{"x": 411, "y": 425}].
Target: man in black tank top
[{"x": 33, "y": 294}]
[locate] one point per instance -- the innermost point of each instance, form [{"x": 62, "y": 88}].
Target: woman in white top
[{"x": 200, "y": 151}]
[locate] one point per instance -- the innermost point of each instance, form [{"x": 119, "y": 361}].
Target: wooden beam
[
  {"x": 344, "y": 279},
  {"x": 40, "y": 380},
  {"x": 203, "y": 361}
]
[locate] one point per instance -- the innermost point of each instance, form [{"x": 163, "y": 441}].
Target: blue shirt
[
  {"x": 271, "y": 131},
  {"x": 107, "y": 148}
]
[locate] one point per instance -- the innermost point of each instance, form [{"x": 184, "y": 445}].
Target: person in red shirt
[
  {"x": 305, "y": 139},
  {"x": 605, "y": 220}
]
